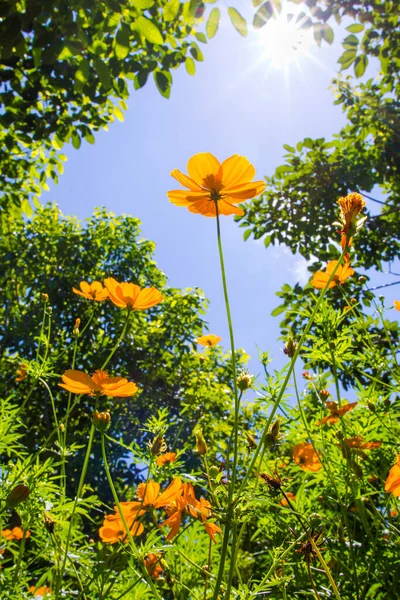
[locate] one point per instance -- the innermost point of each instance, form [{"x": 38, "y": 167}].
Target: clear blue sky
[{"x": 236, "y": 103}]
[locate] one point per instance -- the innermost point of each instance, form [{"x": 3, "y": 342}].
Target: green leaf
[
  {"x": 171, "y": 10},
  {"x": 201, "y": 37},
  {"x": 278, "y": 310},
  {"x": 76, "y": 140},
  {"x": 102, "y": 71},
  {"x": 163, "y": 81},
  {"x": 299, "y": 146},
  {"x": 118, "y": 113},
  {"x": 327, "y": 33},
  {"x": 190, "y": 66},
  {"x": 149, "y": 30},
  {"x": 213, "y": 22},
  {"x": 237, "y": 21},
  {"x": 355, "y": 28},
  {"x": 349, "y": 42},
  {"x": 81, "y": 75},
  {"x": 196, "y": 52},
  {"x": 263, "y": 15},
  {"x": 360, "y": 65},
  {"x": 247, "y": 234},
  {"x": 143, "y": 4},
  {"x": 308, "y": 143},
  {"x": 347, "y": 58},
  {"x": 121, "y": 45},
  {"x": 289, "y": 148}
]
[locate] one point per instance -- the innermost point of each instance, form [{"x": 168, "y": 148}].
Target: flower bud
[
  {"x": 251, "y": 442},
  {"x": 101, "y": 420},
  {"x": 339, "y": 435},
  {"x": 244, "y": 381},
  {"x": 214, "y": 471},
  {"x": 290, "y": 348},
  {"x": 49, "y": 523},
  {"x": 371, "y": 406},
  {"x": 157, "y": 446},
  {"x": 75, "y": 331},
  {"x": 362, "y": 279},
  {"x": 307, "y": 375},
  {"x": 200, "y": 443},
  {"x": 315, "y": 520},
  {"x": 324, "y": 394},
  {"x": 17, "y": 495},
  {"x": 44, "y": 297},
  {"x": 274, "y": 433}
]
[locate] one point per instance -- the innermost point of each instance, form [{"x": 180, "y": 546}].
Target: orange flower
[
  {"x": 350, "y": 206},
  {"x": 208, "y": 340},
  {"x": 320, "y": 278},
  {"x": 336, "y": 412},
  {"x": 396, "y": 304},
  {"x": 16, "y": 533},
  {"x": 92, "y": 291},
  {"x": 166, "y": 459},
  {"x": 22, "y": 372},
  {"x": 392, "y": 483},
  {"x": 41, "y": 592},
  {"x": 305, "y": 456},
  {"x": 356, "y": 442},
  {"x": 129, "y": 295},
  {"x": 210, "y": 182},
  {"x": 114, "y": 530},
  {"x": 98, "y": 384},
  {"x": 284, "y": 502},
  {"x": 152, "y": 564},
  {"x": 149, "y": 496},
  {"x": 187, "y": 504}
]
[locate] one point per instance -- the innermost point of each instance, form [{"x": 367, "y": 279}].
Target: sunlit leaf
[
  {"x": 237, "y": 21},
  {"x": 149, "y": 30},
  {"x": 213, "y": 22},
  {"x": 190, "y": 65}
]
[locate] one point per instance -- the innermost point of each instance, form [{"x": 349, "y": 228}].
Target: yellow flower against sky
[
  {"x": 210, "y": 183},
  {"x": 99, "y": 383},
  {"x": 92, "y": 291},
  {"x": 208, "y": 340},
  {"x": 343, "y": 272},
  {"x": 130, "y": 295},
  {"x": 396, "y": 304}
]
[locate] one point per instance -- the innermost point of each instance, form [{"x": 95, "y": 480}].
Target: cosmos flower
[
  {"x": 16, "y": 533},
  {"x": 92, "y": 291},
  {"x": 357, "y": 442},
  {"x": 208, "y": 340},
  {"x": 305, "y": 456},
  {"x": 335, "y": 412},
  {"x": 150, "y": 497},
  {"x": 40, "y": 592},
  {"x": 166, "y": 459},
  {"x": 343, "y": 272},
  {"x": 392, "y": 484},
  {"x": 350, "y": 206},
  {"x": 99, "y": 383},
  {"x": 131, "y": 296},
  {"x": 396, "y": 304},
  {"x": 211, "y": 183},
  {"x": 113, "y": 529},
  {"x": 152, "y": 564}
]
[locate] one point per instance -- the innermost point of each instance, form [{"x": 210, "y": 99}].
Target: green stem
[
  {"x": 118, "y": 342},
  {"x": 78, "y": 494},
  {"x": 126, "y": 526}
]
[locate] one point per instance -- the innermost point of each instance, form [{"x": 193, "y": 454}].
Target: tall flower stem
[
  {"x": 149, "y": 581},
  {"x": 78, "y": 494},
  {"x": 232, "y": 482}
]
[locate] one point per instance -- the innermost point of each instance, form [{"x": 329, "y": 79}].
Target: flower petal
[
  {"x": 78, "y": 382},
  {"x": 147, "y": 298},
  {"x": 203, "y": 164},
  {"x": 184, "y": 198},
  {"x": 169, "y": 494},
  {"x": 186, "y": 181},
  {"x": 236, "y": 170},
  {"x": 245, "y": 191},
  {"x": 119, "y": 387}
]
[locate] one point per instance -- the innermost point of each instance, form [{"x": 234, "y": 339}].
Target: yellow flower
[
  {"x": 129, "y": 295},
  {"x": 166, "y": 459},
  {"x": 350, "y": 206},
  {"x": 208, "y": 340},
  {"x": 335, "y": 412},
  {"x": 100, "y": 383},
  {"x": 210, "y": 183},
  {"x": 320, "y": 278},
  {"x": 396, "y": 304},
  {"x": 92, "y": 291}
]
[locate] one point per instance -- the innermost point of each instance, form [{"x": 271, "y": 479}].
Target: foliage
[{"x": 65, "y": 70}]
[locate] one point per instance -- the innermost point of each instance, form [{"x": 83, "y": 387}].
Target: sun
[{"x": 284, "y": 40}]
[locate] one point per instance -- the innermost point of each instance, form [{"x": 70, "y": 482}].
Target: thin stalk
[
  {"x": 78, "y": 494},
  {"x": 119, "y": 340},
  {"x": 147, "y": 577}
]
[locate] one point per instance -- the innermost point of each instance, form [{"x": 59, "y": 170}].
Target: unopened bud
[
  {"x": 201, "y": 444},
  {"x": 362, "y": 279},
  {"x": 101, "y": 420},
  {"x": 157, "y": 446},
  {"x": 315, "y": 520},
  {"x": 44, "y": 297},
  {"x": 371, "y": 406},
  {"x": 251, "y": 442},
  {"x": 75, "y": 331},
  {"x": 306, "y": 375},
  {"x": 339, "y": 435},
  {"x": 274, "y": 433},
  {"x": 244, "y": 381},
  {"x": 324, "y": 394},
  {"x": 290, "y": 348},
  {"x": 49, "y": 523},
  {"x": 214, "y": 472},
  {"x": 17, "y": 495}
]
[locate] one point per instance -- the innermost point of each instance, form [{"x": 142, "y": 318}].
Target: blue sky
[{"x": 236, "y": 103}]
